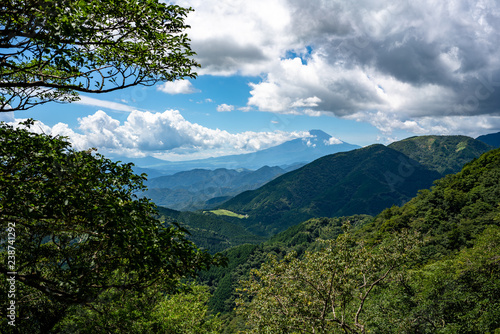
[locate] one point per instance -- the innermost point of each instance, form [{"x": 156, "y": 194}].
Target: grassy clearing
[{"x": 222, "y": 212}]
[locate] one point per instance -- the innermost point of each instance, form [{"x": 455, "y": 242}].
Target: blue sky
[{"x": 364, "y": 71}]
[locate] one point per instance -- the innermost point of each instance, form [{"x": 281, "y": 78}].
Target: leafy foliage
[
  {"x": 79, "y": 230},
  {"x": 456, "y": 290},
  {"x": 456, "y": 210},
  {"x": 150, "y": 311},
  {"x": 59, "y": 48},
  {"x": 324, "y": 292},
  {"x": 242, "y": 259},
  {"x": 453, "y": 288}
]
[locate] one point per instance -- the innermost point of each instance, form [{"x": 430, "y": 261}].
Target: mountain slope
[
  {"x": 492, "y": 139},
  {"x": 444, "y": 154},
  {"x": 190, "y": 190},
  {"x": 458, "y": 207},
  {"x": 363, "y": 181},
  {"x": 456, "y": 284},
  {"x": 209, "y": 231}
]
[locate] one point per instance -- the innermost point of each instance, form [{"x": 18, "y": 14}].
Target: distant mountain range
[
  {"x": 203, "y": 188},
  {"x": 362, "y": 181},
  {"x": 301, "y": 150},
  {"x": 492, "y": 139},
  {"x": 201, "y": 184}
]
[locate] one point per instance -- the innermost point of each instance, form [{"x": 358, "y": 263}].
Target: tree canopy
[
  {"x": 78, "y": 230},
  {"x": 52, "y": 50},
  {"x": 325, "y": 292}
]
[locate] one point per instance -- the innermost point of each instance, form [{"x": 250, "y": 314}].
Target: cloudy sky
[{"x": 364, "y": 71}]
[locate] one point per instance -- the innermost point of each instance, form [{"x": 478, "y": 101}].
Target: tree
[
  {"x": 150, "y": 311},
  {"x": 72, "y": 228},
  {"x": 52, "y": 50},
  {"x": 326, "y": 291},
  {"x": 461, "y": 294}
]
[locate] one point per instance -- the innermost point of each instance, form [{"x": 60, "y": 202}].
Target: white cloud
[
  {"x": 404, "y": 60},
  {"x": 238, "y": 36},
  {"x": 177, "y": 87},
  {"x": 7, "y": 117},
  {"x": 472, "y": 126},
  {"x": 333, "y": 141},
  {"x": 165, "y": 135},
  {"x": 307, "y": 102},
  {"x": 225, "y": 107}
]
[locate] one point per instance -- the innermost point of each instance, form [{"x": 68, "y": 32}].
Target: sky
[{"x": 364, "y": 71}]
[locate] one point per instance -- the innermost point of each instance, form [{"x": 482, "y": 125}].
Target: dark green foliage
[
  {"x": 78, "y": 230},
  {"x": 325, "y": 291},
  {"x": 150, "y": 311},
  {"x": 363, "y": 181},
  {"x": 454, "y": 211},
  {"x": 209, "y": 231},
  {"x": 444, "y": 154},
  {"x": 242, "y": 259},
  {"x": 455, "y": 285},
  {"x": 456, "y": 289}
]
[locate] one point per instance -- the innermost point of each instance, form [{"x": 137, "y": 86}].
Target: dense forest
[{"x": 449, "y": 284}]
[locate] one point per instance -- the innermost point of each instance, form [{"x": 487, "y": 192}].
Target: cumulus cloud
[
  {"x": 333, "y": 141},
  {"x": 401, "y": 63},
  {"x": 237, "y": 36},
  {"x": 225, "y": 107},
  {"x": 165, "y": 135},
  {"x": 177, "y": 87}
]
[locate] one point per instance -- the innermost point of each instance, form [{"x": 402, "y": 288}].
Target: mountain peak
[{"x": 319, "y": 134}]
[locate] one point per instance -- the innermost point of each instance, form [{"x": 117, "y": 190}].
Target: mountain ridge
[
  {"x": 492, "y": 139},
  {"x": 362, "y": 181},
  {"x": 444, "y": 154},
  {"x": 292, "y": 152}
]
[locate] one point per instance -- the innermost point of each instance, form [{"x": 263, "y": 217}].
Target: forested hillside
[
  {"x": 209, "y": 231},
  {"x": 362, "y": 181},
  {"x": 451, "y": 286},
  {"x": 444, "y": 154},
  {"x": 492, "y": 139}
]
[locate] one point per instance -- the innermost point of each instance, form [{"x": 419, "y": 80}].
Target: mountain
[
  {"x": 209, "y": 231},
  {"x": 492, "y": 139},
  {"x": 457, "y": 272},
  {"x": 444, "y": 154},
  {"x": 290, "y": 153},
  {"x": 196, "y": 189},
  {"x": 362, "y": 181}
]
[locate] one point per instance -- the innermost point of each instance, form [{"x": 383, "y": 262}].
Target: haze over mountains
[
  {"x": 206, "y": 183},
  {"x": 203, "y": 188},
  {"x": 293, "y": 152}
]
